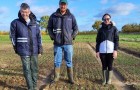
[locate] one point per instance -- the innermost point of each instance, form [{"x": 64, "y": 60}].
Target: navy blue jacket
[
  {"x": 107, "y": 40},
  {"x": 62, "y": 28},
  {"x": 26, "y": 39}
]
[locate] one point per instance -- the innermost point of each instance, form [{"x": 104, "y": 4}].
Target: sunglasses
[{"x": 106, "y": 19}]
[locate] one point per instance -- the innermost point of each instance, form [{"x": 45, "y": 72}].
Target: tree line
[
  {"x": 128, "y": 28},
  {"x": 43, "y": 22}
]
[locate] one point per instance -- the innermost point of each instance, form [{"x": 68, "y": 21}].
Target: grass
[
  {"x": 46, "y": 38},
  {"x": 84, "y": 38},
  {"x": 133, "y": 46},
  {"x": 129, "y": 37},
  {"x": 128, "y": 66},
  {"x": 4, "y": 39}
]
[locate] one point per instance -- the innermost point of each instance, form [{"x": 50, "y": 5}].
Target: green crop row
[
  {"x": 132, "y": 46},
  {"x": 129, "y": 66},
  {"x": 83, "y": 38}
]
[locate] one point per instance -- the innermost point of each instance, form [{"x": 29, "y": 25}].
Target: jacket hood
[
  {"x": 57, "y": 13},
  {"x": 31, "y": 16}
]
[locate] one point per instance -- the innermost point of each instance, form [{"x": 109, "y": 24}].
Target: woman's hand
[
  {"x": 97, "y": 54},
  {"x": 115, "y": 54}
]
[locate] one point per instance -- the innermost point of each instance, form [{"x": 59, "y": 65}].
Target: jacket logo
[
  {"x": 69, "y": 19},
  {"x": 34, "y": 26},
  {"x": 57, "y": 30}
]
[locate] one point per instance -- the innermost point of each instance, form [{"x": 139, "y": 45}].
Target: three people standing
[{"x": 62, "y": 28}]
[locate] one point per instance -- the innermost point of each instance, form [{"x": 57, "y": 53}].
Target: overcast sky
[{"x": 85, "y": 11}]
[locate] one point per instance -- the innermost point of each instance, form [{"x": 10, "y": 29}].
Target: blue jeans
[
  {"x": 58, "y": 53},
  {"x": 30, "y": 70}
]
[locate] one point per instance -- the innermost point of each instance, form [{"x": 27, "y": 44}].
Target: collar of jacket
[
  {"x": 31, "y": 16},
  {"x": 109, "y": 26},
  {"x": 57, "y": 13}
]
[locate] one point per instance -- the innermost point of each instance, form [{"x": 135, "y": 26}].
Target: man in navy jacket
[
  {"x": 26, "y": 39},
  {"x": 62, "y": 28}
]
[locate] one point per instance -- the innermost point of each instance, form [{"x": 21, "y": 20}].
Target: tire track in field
[
  {"x": 133, "y": 53},
  {"x": 117, "y": 80}
]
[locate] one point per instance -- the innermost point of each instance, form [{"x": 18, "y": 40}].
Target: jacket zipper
[
  {"x": 31, "y": 40},
  {"x": 62, "y": 29},
  {"x": 106, "y": 40},
  {"x": 106, "y": 46}
]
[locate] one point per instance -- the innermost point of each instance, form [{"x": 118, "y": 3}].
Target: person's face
[
  {"x": 25, "y": 13},
  {"x": 63, "y": 7},
  {"x": 106, "y": 19}
]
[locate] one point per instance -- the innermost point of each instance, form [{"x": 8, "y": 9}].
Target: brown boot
[
  {"x": 56, "y": 74},
  {"x": 70, "y": 75}
]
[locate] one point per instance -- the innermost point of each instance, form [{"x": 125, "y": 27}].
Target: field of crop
[
  {"x": 128, "y": 66},
  {"x": 131, "y": 47},
  {"x": 130, "y": 37},
  {"x": 87, "y": 71}
]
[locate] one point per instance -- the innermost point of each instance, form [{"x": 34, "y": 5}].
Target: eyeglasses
[{"x": 106, "y": 19}]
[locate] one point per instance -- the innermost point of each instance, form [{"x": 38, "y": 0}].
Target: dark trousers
[
  {"x": 107, "y": 61},
  {"x": 30, "y": 70}
]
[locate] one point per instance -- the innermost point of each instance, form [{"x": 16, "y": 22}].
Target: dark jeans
[
  {"x": 30, "y": 70},
  {"x": 107, "y": 61}
]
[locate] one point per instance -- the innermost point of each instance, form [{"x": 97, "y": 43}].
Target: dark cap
[
  {"x": 63, "y": 1},
  {"x": 24, "y": 6}
]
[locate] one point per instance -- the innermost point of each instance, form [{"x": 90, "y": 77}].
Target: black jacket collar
[
  {"x": 31, "y": 16},
  {"x": 109, "y": 26},
  {"x": 57, "y": 13}
]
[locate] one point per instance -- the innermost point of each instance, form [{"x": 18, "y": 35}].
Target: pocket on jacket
[
  {"x": 20, "y": 47},
  {"x": 58, "y": 39}
]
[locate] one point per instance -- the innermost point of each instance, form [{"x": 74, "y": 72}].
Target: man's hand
[
  {"x": 39, "y": 55},
  {"x": 115, "y": 54},
  {"x": 15, "y": 49}
]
